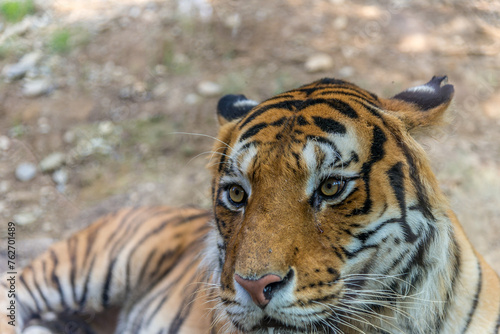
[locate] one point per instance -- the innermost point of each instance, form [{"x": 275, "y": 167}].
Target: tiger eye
[
  {"x": 236, "y": 194},
  {"x": 331, "y": 187}
]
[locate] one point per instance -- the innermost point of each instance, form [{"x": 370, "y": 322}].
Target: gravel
[
  {"x": 318, "y": 63},
  {"x": 25, "y": 171},
  {"x": 52, "y": 162},
  {"x": 209, "y": 89},
  {"x": 37, "y": 87},
  {"x": 25, "y": 64}
]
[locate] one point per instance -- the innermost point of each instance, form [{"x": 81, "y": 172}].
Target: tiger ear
[
  {"x": 422, "y": 106},
  {"x": 232, "y": 107}
]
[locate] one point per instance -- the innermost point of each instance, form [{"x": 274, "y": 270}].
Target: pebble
[
  {"x": 25, "y": 171},
  {"x": 346, "y": 71},
  {"x": 319, "y": 62},
  {"x": 44, "y": 125},
  {"x": 161, "y": 90},
  {"x": 37, "y": 87},
  {"x": 60, "y": 176},
  {"x": 209, "y": 89},
  {"x": 192, "y": 99},
  {"x": 135, "y": 12},
  {"x": 4, "y": 186},
  {"x": 52, "y": 162},
  {"x": 69, "y": 137},
  {"x": 19, "y": 69},
  {"x": 36, "y": 330},
  {"x": 4, "y": 143},
  {"x": 24, "y": 218},
  {"x": 105, "y": 127}
]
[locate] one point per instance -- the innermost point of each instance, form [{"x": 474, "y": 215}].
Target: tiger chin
[{"x": 326, "y": 219}]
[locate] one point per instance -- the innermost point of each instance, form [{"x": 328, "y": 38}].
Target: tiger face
[{"x": 325, "y": 206}]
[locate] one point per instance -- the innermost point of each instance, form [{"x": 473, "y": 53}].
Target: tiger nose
[{"x": 262, "y": 289}]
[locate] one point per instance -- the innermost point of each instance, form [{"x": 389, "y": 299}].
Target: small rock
[
  {"x": 52, "y": 162},
  {"x": 24, "y": 218},
  {"x": 233, "y": 22},
  {"x": 60, "y": 176},
  {"x": 44, "y": 125},
  {"x": 4, "y": 143},
  {"x": 160, "y": 90},
  {"x": 105, "y": 127},
  {"x": 25, "y": 171},
  {"x": 209, "y": 88},
  {"x": 192, "y": 99},
  {"x": 319, "y": 62},
  {"x": 135, "y": 12},
  {"x": 125, "y": 93},
  {"x": 37, "y": 87},
  {"x": 340, "y": 23},
  {"x": 161, "y": 69},
  {"x": 4, "y": 186},
  {"x": 25, "y": 64},
  {"x": 346, "y": 71},
  {"x": 36, "y": 330},
  {"x": 69, "y": 137}
]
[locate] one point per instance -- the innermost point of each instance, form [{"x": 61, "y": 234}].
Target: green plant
[
  {"x": 60, "y": 41},
  {"x": 16, "y": 10}
]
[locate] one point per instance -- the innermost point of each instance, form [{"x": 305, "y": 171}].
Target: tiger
[{"x": 326, "y": 218}]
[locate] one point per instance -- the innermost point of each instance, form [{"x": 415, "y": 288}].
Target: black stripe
[
  {"x": 72, "y": 248},
  {"x": 476, "y": 298},
  {"x": 279, "y": 122},
  {"x": 289, "y": 105},
  {"x": 450, "y": 293},
  {"x": 164, "y": 291},
  {"x": 397, "y": 182},
  {"x": 107, "y": 284},
  {"x": 123, "y": 221},
  {"x": 145, "y": 265},
  {"x": 21, "y": 278},
  {"x": 497, "y": 328},
  {"x": 222, "y": 161},
  {"x": 335, "y": 104},
  {"x": 329, "y": 125},
  {"x": 184, "y": 309},
  {"x": 55, "y": 278},
  {"x": 253, "y": 131},
  {"x": 325, "y": 141},
  {"x": 40, "y": 291},
  {"x": 83, "y": 297},
  {"x": 421, "y": 192},
  {"x": 302, "y": 121},
  {"x": 377, "y": 152},
  {"x": 191, "y": 218},
  {"x": 91, "y": 237},
  {"x": 347, "y": 92}
]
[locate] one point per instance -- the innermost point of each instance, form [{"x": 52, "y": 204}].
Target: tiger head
[{"x": 324, "y": 204}]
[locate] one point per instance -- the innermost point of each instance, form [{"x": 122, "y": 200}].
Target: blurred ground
[{"x": 108, "y": 82}]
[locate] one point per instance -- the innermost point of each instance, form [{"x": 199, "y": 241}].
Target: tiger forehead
[
  {"x": 328, "y": 107},
  {"x": 338, "y": 95}
]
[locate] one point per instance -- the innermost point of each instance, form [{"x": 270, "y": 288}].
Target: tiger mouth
[{"x": 274, "y": 326}]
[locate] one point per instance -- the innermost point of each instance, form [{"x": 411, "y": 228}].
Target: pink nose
[{"x": 258, "y": 289}]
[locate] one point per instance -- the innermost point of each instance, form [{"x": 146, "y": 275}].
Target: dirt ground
[{"x": 124, "y": 78}]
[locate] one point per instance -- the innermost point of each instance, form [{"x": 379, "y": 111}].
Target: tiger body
[{"x": 326, "y": 219}]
